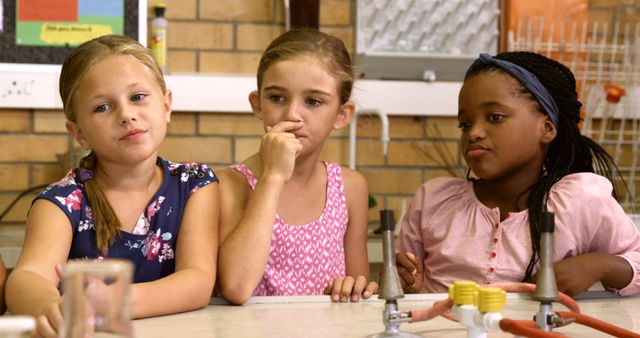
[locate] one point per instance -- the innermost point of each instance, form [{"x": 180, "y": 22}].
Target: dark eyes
[
  {"x": 496, "y": 117},
  {"x": 493, "y": 117},
  {"x": 464, "y": 125}
]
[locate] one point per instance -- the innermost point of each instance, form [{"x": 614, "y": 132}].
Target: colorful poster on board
[{"x": 66, "y": 22}]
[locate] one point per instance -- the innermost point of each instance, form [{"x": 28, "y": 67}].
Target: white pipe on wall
[{"x": 384, "y": 134}]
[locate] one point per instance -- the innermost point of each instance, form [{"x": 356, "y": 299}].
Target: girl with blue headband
[{"x": 519, "y": 116}]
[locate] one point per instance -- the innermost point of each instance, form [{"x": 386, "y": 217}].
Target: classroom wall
[{"x": 227, "y": 36}]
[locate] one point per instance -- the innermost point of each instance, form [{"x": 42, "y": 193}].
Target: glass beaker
[
  {"x": 16, "y": 326},
  {"x": 96, "y": 299}
]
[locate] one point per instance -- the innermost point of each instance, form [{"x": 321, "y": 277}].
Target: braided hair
[{"x": 570, "y": 152}]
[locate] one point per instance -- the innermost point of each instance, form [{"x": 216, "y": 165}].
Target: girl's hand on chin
[{"x": 279, "y": 150}]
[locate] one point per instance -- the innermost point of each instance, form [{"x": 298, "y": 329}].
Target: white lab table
[{"x": 317, "y": 316}]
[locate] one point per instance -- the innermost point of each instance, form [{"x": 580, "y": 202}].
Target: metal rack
[
  {"x": 423, "y": 39},
  {"x": 599, "y": 54}
]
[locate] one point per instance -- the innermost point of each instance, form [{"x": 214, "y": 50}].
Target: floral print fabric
[{"x": 151, "y": 244}]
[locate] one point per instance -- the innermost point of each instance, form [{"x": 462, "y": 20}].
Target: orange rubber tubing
[
  {"x": 438, "y": 308},
  {"x": 599, "y": 325},
  {"x": 441, "y": 308},
  {"x": 526, "y": 328},
  {"x": 563, "y": 299}
]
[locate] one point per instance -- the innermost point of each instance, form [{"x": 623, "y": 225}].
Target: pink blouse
[{"x": 459, "y": 238}]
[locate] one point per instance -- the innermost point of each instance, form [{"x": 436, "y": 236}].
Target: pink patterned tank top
[{"x": 303, "y": 259}]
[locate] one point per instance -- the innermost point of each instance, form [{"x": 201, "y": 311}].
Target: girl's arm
[
  {"x": 246, "y": 227},
  {"x": 191, "y": 285},
  {"x": 356, "y": 284},
  {"x": 612, "y": 256},
  {"x": 32, "y": 286},
  {"x": 613, "y": 271},
  {"x": 246, "y": 224},
  {"x": 595, "y": 226},
  {"x": 621, "y": 269}
]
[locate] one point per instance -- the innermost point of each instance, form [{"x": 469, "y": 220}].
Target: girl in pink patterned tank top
[{"x": 291, "y": 224}]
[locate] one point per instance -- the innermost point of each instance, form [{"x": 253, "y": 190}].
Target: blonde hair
[
  {"x": 328, "y": 49},
  {"x": 75, "y": 66}
]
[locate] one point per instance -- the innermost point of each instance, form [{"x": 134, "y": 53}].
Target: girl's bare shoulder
[
  {"x": 233, "y": 184},
  {"x": 354, "y": 180},
  {"x": 351, "y": 173}
]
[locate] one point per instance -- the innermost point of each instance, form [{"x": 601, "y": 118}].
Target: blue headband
[{"x": 528, "y": 80}]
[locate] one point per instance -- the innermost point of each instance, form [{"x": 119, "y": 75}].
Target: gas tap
[
  {"x": 546, "y": 291},
  {"x": 390, "y": 287}
]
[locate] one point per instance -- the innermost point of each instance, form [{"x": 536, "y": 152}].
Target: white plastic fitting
[{"x": 477, "y": 323}]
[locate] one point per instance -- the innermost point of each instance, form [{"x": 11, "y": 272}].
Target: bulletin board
[{"x": 45, "y": 31}]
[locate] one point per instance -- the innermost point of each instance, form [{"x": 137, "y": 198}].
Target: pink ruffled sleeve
[{"x": 429, "y": 197}]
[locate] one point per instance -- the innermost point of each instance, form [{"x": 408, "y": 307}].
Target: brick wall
[
  {"x": 227, "y": 36},
  {"x": 33, "y": 144}
]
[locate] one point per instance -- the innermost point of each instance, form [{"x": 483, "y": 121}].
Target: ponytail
[{"x": 106, "y": 223}]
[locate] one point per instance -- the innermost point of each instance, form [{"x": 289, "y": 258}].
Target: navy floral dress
[{"x": 151, "y": 245}]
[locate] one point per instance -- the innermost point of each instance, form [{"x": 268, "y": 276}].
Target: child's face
[
  {"x": 121, "y": 111},
  {"x": 302, "y": 90},
  {"x": 503, "y": 132}
]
